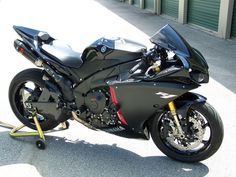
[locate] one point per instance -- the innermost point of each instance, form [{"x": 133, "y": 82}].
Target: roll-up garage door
[
  {"x": 170, "y": 8},
  {"x": 233, "y": 31},
  {"x": 136, "y": 3},
  {"x": 204, "y": 13},
  {"x": 149, "y": 5}
]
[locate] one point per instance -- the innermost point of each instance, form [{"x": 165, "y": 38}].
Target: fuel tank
[
  {"x": 107, "y": 52},
  {"x": 113, "y": 48}
]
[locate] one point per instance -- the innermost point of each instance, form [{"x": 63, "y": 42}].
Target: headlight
[{"x": 199, "y": 77}]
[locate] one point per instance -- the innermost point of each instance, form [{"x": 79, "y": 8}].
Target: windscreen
[{"x": 168, "y": 38}]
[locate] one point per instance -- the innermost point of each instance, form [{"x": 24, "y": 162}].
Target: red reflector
[
  {"x": 115, "y": 102},
  {"x": 113, "y": 96},
  {"x": 21, "y": 50},
  {"x": 121, "y": 117}
]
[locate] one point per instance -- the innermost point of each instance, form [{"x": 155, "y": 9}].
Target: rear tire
[
  {"x": 207, "y": 148},
  {"x": 33, "y": 76}
]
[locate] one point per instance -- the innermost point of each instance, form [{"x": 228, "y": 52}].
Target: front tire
[
  {"x": 28, "y": 85},
  {"x": 203, "y": 131}
]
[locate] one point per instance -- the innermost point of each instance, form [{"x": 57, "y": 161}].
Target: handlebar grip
[{"x": 148, "y": 53}]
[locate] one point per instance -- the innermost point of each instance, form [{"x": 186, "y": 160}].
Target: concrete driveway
[{"x": 79, "y": 151}]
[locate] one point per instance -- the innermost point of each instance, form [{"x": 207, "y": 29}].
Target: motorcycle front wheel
[
  {"x": 25, "y": 88},
  {"x": 202, "y": 133}
]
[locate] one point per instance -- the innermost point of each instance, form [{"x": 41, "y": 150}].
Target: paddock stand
[{"x": 40, "y": 143}]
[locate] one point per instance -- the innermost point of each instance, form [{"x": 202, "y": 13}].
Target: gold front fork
[
  {"x": 175, "y": 116},
  {"x": 157, "y": 69}
]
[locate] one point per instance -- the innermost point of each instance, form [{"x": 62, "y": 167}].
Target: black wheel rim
[
  {"x": 184, "y": 146},
  {"x": 27, "y": 92}
]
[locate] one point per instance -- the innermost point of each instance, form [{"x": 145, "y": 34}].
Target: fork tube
[{"x": 175, "y": 116}]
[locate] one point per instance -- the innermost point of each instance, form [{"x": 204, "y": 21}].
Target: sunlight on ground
[{"x": 22, "y": 170}]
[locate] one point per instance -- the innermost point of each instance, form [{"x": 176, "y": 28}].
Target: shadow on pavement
[
  {"x": 219, "y": 53},
  {"x": 63, "y": 157}
]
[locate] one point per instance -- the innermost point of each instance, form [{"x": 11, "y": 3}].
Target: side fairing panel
[
  {"x": 102, "y": 79},
  {"x": 90, "y": 68},
  {"x": 140, "y": 100}
]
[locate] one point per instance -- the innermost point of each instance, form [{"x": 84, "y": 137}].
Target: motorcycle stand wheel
[{"x": 40, "y": 144}]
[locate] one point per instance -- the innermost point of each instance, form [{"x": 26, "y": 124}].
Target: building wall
[{"x": 215, "y": 16}]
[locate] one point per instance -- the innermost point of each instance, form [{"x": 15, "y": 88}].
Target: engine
[{"x": 101, "y": 113}]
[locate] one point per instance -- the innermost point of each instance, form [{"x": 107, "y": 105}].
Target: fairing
[
  {"x": 169, "y": 39},
  {"x": 26, "y": 32}
]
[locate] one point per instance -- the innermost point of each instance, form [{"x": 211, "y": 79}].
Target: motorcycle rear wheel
[
  {"x": 203, "y": 134},
  {"x": 28, "y": 84}
]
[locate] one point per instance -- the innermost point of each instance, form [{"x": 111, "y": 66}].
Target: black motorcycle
[{"x": 118, "y": 86}]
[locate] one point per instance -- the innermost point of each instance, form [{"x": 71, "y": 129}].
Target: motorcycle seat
[{"x": 62, "y": 53}]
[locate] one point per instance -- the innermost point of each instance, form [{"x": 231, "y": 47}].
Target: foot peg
[{"x": 81, "y": 110}]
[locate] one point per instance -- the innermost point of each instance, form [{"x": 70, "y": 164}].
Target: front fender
[{"x": 184, "y": 102}]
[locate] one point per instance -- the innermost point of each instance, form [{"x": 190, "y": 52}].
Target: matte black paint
[{"x": 139, "y": 101}]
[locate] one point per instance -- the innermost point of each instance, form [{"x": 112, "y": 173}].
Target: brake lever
[{"x": 155, "y": 65}]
